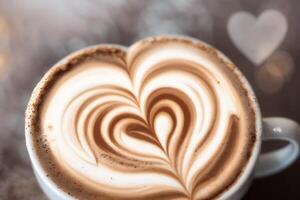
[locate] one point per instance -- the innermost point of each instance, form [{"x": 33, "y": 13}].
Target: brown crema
[{"x": 167, "y": 118}]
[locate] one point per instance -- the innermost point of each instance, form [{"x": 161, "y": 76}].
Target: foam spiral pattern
[{"x": 161, "y": 122}]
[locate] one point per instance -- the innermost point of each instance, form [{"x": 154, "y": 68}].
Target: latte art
[{"x": 164, "y": 119}]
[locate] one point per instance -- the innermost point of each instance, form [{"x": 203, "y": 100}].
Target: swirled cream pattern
[{"x": 162, "y": 121}]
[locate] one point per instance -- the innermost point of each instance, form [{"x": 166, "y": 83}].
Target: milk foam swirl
[{"x": 161, "y": 122}]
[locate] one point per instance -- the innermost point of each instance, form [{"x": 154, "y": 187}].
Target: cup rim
[{"x": 226, "y": 194}]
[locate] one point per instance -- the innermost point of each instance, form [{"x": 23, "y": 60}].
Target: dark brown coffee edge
[{"x": 32, "y": 115}]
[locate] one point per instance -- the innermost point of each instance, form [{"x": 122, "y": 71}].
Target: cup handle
[{"x": 278, "y": 128}]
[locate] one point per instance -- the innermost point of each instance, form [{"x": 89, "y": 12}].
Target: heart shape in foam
[
  {"x": 145, "y": 98},
  {"x": 257, "y": 38},
  {"x": 160, "y": 114}
]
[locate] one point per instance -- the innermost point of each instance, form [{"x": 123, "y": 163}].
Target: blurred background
[{"x": 260, "y": 36}]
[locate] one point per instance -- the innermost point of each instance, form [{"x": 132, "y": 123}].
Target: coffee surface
[{"x": 166, "y": 118}]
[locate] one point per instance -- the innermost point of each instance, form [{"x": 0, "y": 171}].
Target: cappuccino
[{"x": 167, "y": 118}]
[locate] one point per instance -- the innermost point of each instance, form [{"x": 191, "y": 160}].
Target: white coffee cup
[{"x": 259, "y": 165}]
